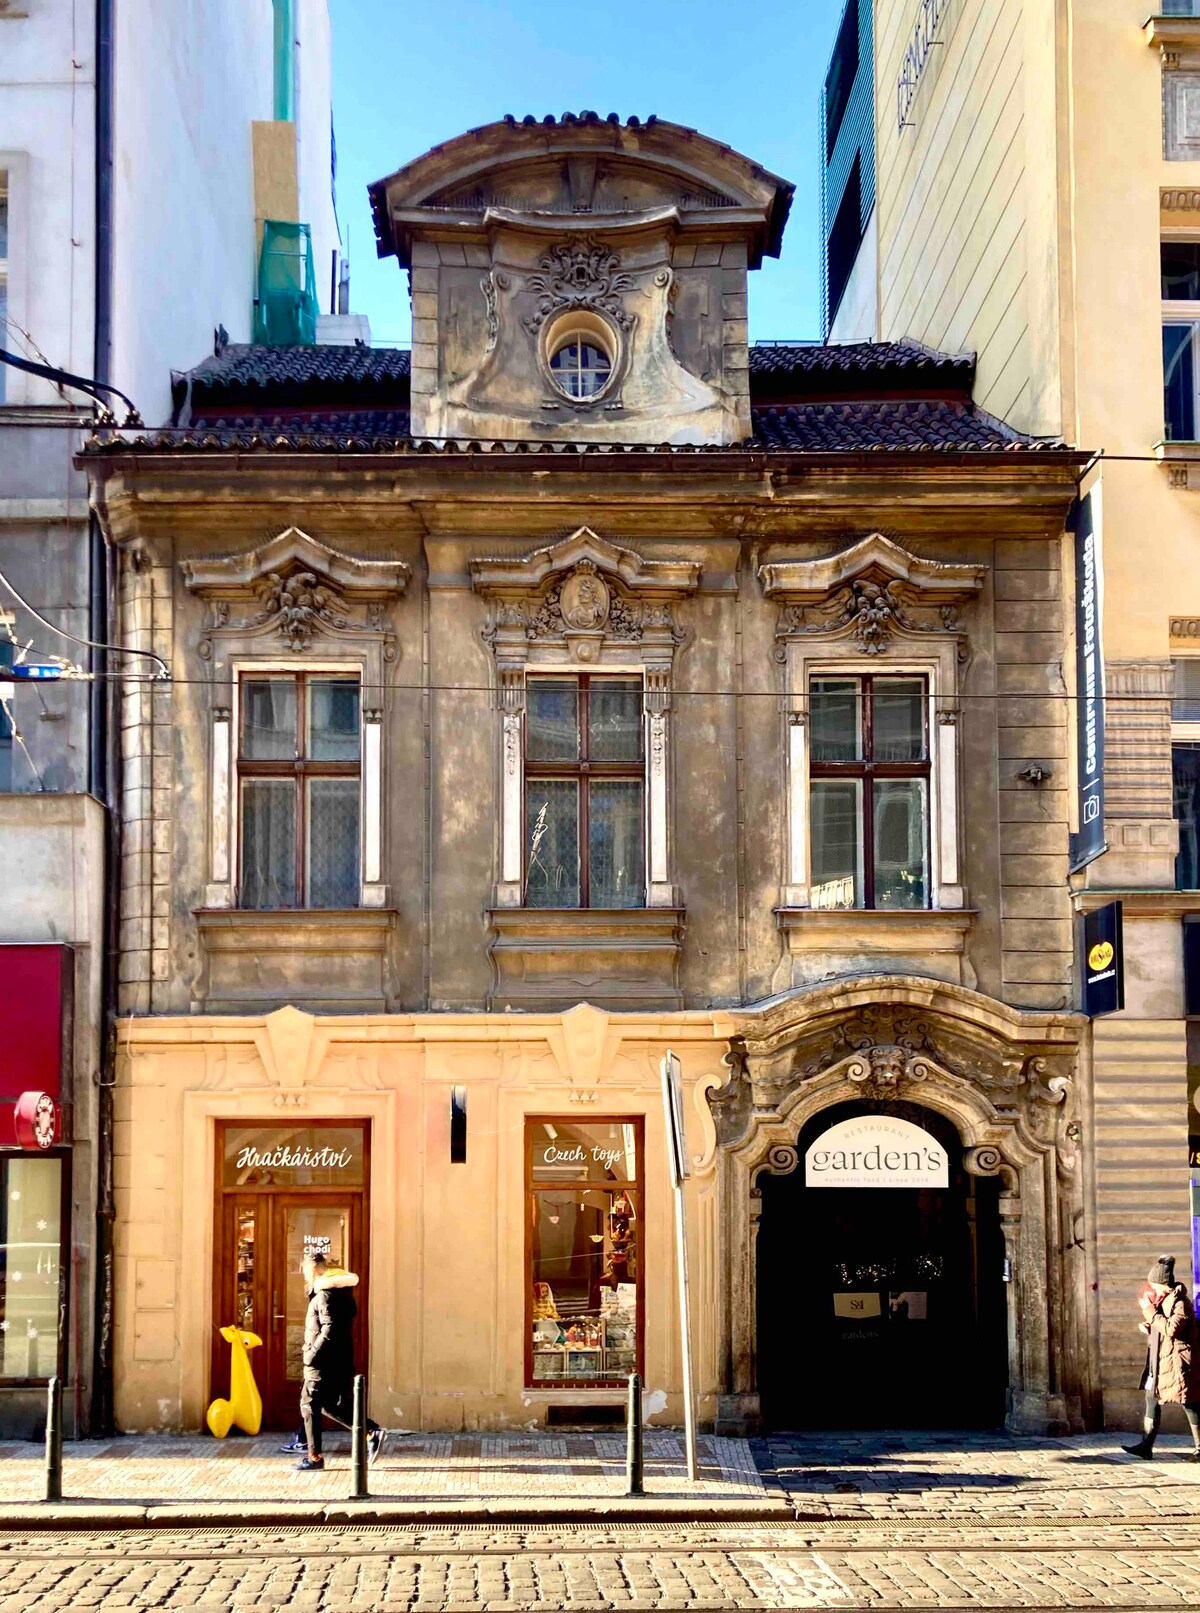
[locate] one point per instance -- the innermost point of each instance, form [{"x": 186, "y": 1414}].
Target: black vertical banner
[
  {"x": 1104, "y": 960},
  {"x": 1088, "y": 842}
]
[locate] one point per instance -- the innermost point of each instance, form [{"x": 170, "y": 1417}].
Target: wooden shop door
[{"x": 263, "y": 1239}]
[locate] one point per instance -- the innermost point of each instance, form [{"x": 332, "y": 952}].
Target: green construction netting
[{"x": 285, "y": 314}]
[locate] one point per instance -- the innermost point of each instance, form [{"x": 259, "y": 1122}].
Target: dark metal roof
[
  {"x": 255, "y": 377},
  {"x": 887, "y": 426},
  {"x": 859, "y": 398},
  {"x": 824, "y": 429},
  {"x": 870, "y": 369}
]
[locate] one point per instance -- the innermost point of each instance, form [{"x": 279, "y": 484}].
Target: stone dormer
[{"x": 581, "y": 279}]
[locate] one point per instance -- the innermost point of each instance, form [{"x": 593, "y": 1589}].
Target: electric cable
[{"x": 91, "y": 644}]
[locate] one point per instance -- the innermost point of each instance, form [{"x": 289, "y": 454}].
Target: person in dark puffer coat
[
  {"x": 329, "y": 1358},
  {"x": 1172, "y": 1373}
]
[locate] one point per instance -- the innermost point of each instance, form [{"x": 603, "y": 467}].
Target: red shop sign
[{"x": 35, "y": 1120}]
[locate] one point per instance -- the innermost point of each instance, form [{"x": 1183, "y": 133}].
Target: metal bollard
[
  {"x": 54, "y": 1439},
  {"x": 633, "y": 1439},
  {"x": 358, "y": 1442}
]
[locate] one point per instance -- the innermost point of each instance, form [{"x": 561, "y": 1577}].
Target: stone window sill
[
  {"x": 923, "y": 941},
  {"x": 332, "y": 960},
  {"x": 1172, "y": 33},
  {"x": 550, "y": 958}
]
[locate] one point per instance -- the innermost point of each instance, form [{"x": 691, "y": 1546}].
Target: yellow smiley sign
[{"x": 1101, "y": 955}]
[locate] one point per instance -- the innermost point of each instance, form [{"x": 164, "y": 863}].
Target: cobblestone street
[
  {"x": 614, "y": 1566},
  {"x": 848, "y": 1521}
]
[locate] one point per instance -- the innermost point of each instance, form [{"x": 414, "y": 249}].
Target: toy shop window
[{"x": 584, "y": 1282}]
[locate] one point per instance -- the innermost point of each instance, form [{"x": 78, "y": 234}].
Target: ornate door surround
[{"x": 1016, "y": 1087}]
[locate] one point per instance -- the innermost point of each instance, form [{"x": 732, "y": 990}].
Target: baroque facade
[{"x": 591, "y": 685}]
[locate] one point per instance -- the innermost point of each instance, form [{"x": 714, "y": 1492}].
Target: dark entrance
[{"x": 881, "y": 1307}]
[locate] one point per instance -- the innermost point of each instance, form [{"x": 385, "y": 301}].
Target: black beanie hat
[{"x": 1162, "y": 1271}]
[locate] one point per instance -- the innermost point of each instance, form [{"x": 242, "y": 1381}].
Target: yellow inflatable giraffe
[{"x": 244, "y": 1406}]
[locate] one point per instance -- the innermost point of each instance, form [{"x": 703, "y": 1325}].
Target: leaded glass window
[
  {"x": 869, "y": 792},
  {"x": 299, "y": 790},
  {"x": 584, "y": 792}
]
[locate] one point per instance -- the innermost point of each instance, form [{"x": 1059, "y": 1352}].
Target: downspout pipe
[{"x": 104, "y": 753}]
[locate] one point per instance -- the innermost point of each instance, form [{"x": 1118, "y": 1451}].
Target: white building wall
[
  {"x": 858, "y": 312},
  {"x": 314, "y": 136},
  {"x": 46, "y": 121},
  {"x": 190, "y": 80}
]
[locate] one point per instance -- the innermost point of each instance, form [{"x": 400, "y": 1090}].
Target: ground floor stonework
[{"x": 891, "y": 1179}]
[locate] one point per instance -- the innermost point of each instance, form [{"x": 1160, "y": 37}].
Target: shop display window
[
  {"x": 584, "y": 1288},
  {"x": 32, "y": 1292}
]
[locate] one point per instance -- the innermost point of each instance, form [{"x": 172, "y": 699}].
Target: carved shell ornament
[{"x": 583, "y": 274}]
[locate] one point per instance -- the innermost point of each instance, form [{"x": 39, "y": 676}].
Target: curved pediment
[
  {"x": 875, "y": 558},
  {"x": 585, "y": 547},
  {"x": 292, "y": 551},
  {"x": 579, "y": 164},
  {"x": 296, "y": 587}
]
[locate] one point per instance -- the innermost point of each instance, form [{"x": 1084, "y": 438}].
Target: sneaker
[
  {"x": 293, "y": 1447},
  {"x": 1146, "y": 1452},
  {"x": 309, "y": 1466},
  {"x": 375, "y": 1444}
]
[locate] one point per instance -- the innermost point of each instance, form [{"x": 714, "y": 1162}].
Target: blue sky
[{"x": 408, "y": 74}]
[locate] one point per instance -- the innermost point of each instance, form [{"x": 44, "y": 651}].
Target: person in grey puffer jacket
[{"x": 329, "y": 1358}]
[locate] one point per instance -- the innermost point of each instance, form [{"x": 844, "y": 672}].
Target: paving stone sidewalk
[
  {"x": 414, "y": 1467},
  {"x": 968, "y": 1475},
  {"x": 823, "y": 1476}
]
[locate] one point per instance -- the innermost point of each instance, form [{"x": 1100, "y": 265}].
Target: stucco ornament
[
  {"x": 886, "y": 1068},
  {"x": 298, "y": 589},
  {"x": 300, "y": 605},
  {"x": 872, "y": 592},
  {"x": 579, "y": 274},
  {"x": 581, "y": 599},
  {"x": 584, "y": 598}
]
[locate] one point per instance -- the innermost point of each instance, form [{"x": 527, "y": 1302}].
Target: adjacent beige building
[{"x": 1038, "y": 187}]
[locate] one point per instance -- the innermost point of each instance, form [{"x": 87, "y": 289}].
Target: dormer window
[
  {"x": 580, "y": 352},
  {"x": 579, "y": 367}
]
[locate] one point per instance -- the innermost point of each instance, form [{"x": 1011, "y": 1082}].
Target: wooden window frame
[
  {"x": 868, "y": 770},
  {"x": 635, "y": 1192},
  {"x": 583, "y": 769},
  {"x": 300, "y": 769}
]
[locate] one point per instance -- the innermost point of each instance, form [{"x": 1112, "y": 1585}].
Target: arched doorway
[{"x": 881, "y": 1306}]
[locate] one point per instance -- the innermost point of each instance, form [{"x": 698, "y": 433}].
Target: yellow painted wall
[
  {"x": 1019, "y": 218},
  {"x": 447, "y": 1242}
]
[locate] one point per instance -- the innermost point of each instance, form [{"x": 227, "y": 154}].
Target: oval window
[{"x": 580, "y": 367}]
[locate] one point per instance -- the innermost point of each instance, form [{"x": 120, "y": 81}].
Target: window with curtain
[
  {"x": 299, "y": 787},
  {"x": 869, "y": 780},
  {"x": 584, "y": 792}
]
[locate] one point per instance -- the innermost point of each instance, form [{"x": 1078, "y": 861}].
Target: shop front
[
  {"x": 498, "y": 1183},
  {"x": 35, "y": 1177}
]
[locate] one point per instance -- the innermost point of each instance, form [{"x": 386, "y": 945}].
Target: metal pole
[
  {"x": 358, "y": 1441},
  {"x": 633, "y": 1439},
  {"x": 54, "y": 1441},
  {"x": 685, "y": 1338}
]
